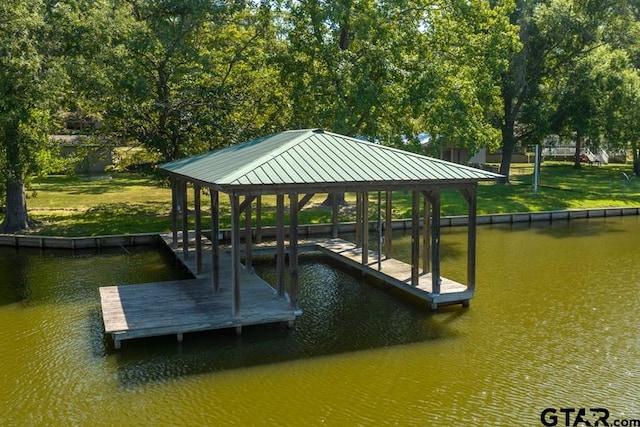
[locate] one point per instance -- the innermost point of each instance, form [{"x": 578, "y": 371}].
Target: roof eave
[{"x": 333, "y": 187}]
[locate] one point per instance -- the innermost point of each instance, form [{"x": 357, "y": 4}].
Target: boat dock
[
  {"x": 191, "y": 305},
  {"x": 182, "y": 306},
  {"x": 296, "y": 166}
]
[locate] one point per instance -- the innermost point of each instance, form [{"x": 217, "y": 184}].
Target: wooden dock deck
[
  {"x": 393, "y": 272},
  {"x": 181, "y": 306},
  {"x": 396, "y": 273}
]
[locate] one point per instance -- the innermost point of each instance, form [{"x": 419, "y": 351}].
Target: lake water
[{"x": 554, "y": 324}]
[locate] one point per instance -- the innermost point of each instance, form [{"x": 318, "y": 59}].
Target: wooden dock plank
[
  {"x": 185, "y": 306},
  {"x": 395, "y": 272},
  {"x": 180, "y": 306}
]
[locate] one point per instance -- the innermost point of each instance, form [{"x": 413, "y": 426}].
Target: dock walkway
[
  {"x": 396, "y": 273},
  {"x": 181, "y": 306}
]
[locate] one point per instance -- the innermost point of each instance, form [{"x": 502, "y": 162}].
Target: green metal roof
[{"x": 316, "y": 157}]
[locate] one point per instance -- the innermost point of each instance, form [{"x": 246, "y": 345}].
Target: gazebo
[{"x": 297, "y": 165}]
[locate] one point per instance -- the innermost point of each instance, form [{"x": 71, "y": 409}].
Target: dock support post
[
  {"x": 248, "y": 239},
  {"x": 179, "y": 337},
  {"x": 365, "y": 228},
  {"x": 198, "y": 227},
  {"x": 334, "y": 219},
  {"x": 259, "y": 219},
  {"x": 415, "y": 240},
  {"x": 185, "y": 220},
  {"x": 388, "y": 229},
  {"x": 215, "y": 242},
  {"x": 293, "y": 250},
  {"x": 174, "y": 212},
  {"x": 471, "y": 195},
  {"x": 426, "y": 237},
  {"x": 379, "y": 229},
  {"x": 435, "y": 242},
  {"x": 358, "y": 219},
  {"x": 235, "y": 254},
  {"x": 280, "y": 265}
]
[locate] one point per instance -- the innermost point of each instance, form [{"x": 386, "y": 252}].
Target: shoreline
[{"x": 139, "y": 239}]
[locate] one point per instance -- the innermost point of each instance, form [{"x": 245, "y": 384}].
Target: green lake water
[{"x": 554, "y": 323}]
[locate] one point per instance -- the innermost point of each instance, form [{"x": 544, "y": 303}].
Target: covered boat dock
[{"x": 294, "y": 166}]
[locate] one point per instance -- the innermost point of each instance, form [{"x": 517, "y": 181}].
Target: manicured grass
[
  {"x": 109, "y": 204},
  {"x": 131, "y": 203}
]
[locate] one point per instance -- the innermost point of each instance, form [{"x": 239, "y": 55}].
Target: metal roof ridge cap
[
  {"x": 416, "y": 155},
  {"x": 381, "y": 146},
  {"x": 304, "y": 133}
]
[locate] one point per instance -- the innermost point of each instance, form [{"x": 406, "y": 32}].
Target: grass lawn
[
  {"x": 131, "y": 203},
  {"x": 80, "y": 205}
]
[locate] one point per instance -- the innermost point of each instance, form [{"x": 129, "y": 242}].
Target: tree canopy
[
  {"x": 31, "y": 79},
  {"x": 179, "y": 77}
]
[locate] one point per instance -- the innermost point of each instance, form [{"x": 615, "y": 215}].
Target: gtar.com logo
[
  {"x": 586, "y": 417},
  {"x": 575, "y": 417}
]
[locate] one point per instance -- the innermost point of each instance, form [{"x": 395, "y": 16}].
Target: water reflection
[
  {"x": 14, "y": 285},
  {"x": 342, "y": 313}
]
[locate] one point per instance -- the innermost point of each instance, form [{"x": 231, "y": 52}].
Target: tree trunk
[
  {"x": 636, "y": 159},
  {"x": 16, "y": 216},
  {"x": 576, "y": 163},
  {"x": 508, "y": 131},
  {"x": 329, "y": 200},
  {"x": 508, "y": 143}
]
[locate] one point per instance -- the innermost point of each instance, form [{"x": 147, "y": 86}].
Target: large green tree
[
  {"x": 193, "y": 75},
  {"x": 462, "y": 49},
  {"x": 49, "y": 64},
  {"x": 622, "y": 115},
  {"x": 589, "y": 98},
  {"x": 390, "y": 70},
  {"x": 30, "y": 78},
  {"x": 553, "y": 34},
  {"x": 580, "y": 95},
  {"x": 343, "y": 65}
]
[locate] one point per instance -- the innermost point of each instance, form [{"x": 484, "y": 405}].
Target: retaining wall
[
  {"x": 311, "y": 229},
  {"x": 77, "y": 242}
]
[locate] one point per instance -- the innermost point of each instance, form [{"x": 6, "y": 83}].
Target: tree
[
  {"x": 553, "y": 33},
  {"x": 387, "y": 71},
  {"x": 343, "y": 67},
  {"x": 580, "y": 96},
  {"x": 621, "y": 115},
  {"x": 30, "y": 78},
  {"x": 193, "y": 75},
  {"x": 591, "y": 97},
  {"x": 49, "y": 59},
  {"x": 463, "y": 49}
]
